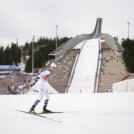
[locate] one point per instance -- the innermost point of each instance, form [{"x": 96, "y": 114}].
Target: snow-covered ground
[{"x": 96, "y": 113}]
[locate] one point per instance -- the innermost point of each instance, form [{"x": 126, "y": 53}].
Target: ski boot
[
  {"x": 45, "y": 110},
  {"x": 32, "y": 111}
]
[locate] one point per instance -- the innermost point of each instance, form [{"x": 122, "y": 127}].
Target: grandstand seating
[
  {"x": 112, "y": 69},
  {"x": 15, "y": 81},
  {"x": 60, "y": 78}
]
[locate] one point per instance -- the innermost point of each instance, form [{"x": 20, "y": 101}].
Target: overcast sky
[{"x": 24, "y": 19}]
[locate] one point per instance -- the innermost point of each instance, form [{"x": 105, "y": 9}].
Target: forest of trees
[
  {"x": 10, "y": 55},
  {"x": 42, "y": 47},
  {"x": 128, "y": 54}
]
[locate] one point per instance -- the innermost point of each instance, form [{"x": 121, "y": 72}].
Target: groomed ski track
[{"x": 99, "y": 113}]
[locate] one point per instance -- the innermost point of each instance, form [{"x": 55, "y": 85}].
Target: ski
[
  {"x": 58, "y": 112},
  {"x": 39, "y": 116}
]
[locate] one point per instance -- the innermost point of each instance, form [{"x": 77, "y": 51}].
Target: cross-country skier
[{"x": 43, "y": 78}]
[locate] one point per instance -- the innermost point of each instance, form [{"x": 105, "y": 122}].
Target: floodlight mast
[{"x": 33, "y": 54}]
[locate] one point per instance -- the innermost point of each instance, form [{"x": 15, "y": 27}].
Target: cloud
[{"x": 23, "y": 19}]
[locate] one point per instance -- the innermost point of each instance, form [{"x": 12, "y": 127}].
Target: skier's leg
[
  {"x": 37, "y": 101},
  {"x": 33, "y": 106},
  {"x": 46, "y": 102}
]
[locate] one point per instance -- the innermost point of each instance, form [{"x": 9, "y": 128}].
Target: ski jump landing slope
[
  {"x": 98, "y": 113},
  {"x": 86, "y": 67}
]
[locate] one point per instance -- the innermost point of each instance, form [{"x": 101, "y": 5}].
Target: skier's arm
[{"x": 35, "y": 80}]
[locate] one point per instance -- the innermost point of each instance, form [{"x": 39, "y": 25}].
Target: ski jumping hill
[{"x": 86, "y": 67}]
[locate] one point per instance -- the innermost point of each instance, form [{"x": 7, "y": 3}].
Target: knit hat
[{"x": 53, "y": 65}]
